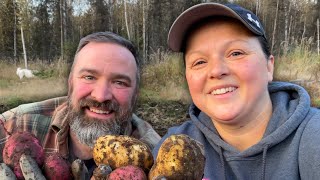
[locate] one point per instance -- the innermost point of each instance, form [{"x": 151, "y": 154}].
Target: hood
[{"x": 290, "y": 106}]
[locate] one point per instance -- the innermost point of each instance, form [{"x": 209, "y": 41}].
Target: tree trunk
[
  {"x": 257, "y": 7},
  {"x": 304, "y": 29},
  {"x": 111, "y": 4},
  {"x": 15, "y": 33},
  {"x": 65, "y": 15},
  {"x": 126, "y": 18},
  {"x": 24, "y": 50},
  {"x": 61, "y": 28},
  {"x": 144, "y": 10},
  {"x": 274, "y": 27},
  {"x": 318, "y": 36},
  {"x": 286, "y": 28}
]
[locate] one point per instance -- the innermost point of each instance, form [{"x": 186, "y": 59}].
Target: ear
[{"x": 270, "y": 67}]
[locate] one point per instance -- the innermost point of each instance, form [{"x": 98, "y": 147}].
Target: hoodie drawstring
[
  {"x": 264, "y": 156},
  {"x": 222, "y": 163}
]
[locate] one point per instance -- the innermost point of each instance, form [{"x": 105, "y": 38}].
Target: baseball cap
[{"x": 198, "y": 12}]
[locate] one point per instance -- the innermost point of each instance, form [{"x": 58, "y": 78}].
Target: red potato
[
  {"x": 57, "y": 168},
  {"x": 129, "y": 172},
  {"x": 22, "y": 143}
]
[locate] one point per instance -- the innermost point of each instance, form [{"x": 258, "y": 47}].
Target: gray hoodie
[{"x": 289, "y": 149}]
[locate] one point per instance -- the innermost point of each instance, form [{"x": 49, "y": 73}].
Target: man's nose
[{"x": 102, "y": 92}]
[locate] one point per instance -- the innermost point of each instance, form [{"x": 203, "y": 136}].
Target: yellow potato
[
  {"x": 118, "y": 151},
  {"x": 179, "y": 157}
]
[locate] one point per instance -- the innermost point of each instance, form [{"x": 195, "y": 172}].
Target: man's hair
[{"x": 109, "y": 37}]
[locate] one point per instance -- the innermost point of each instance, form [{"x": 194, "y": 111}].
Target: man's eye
[
  {"x": 89, "y": 78},
  {"x": 199, "y": 63},
  {"x": 121, "y": 83}
]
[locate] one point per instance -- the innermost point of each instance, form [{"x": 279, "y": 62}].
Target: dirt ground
[{"x": 162, "y": 115}]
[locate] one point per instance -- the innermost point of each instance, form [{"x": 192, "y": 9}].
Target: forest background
[{"x": 51, "y": 30}]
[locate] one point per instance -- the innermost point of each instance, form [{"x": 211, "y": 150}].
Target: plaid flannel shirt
[{"x": 47, "y": 120}]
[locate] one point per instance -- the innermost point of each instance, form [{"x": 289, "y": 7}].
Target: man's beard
[{"x": 89, "y": 129}]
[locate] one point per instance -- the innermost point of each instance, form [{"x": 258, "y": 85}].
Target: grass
[
  {"x": 162, "y": 81},
  {"x": 50, "y": 82},
  {"x": 165, "y": 79},
  {"x": 301, "y": 65}
]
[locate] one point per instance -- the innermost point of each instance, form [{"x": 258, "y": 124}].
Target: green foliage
[
  {"x": 299, "y": 63},
  {"x": 164, "y": 79},
  {"x": 316, "y": 102},
  {"x": 10, "y": 102},
  {"x": 45, "y": 73},
  {"x": 168, "y": 68},
  {"x": 70, "y": 50},
  {"x": 6, "y": 28},
  {"x": 4, "y": 83}
]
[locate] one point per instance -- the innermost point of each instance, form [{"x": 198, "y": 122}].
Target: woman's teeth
[{"x": 223, "y": 90}]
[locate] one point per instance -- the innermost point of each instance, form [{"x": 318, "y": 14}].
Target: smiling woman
[
  {"x": 247, "y": 123},
  {"x": 221, "y": 55}
]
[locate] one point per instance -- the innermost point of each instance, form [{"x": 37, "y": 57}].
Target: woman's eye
[{"x": 236, "y": 53}]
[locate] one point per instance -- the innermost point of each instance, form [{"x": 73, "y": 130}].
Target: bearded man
[{"x": 103, "y": 87}]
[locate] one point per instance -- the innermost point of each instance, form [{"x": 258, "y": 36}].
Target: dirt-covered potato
[
  {"x": 102, "y": 172},
  {"x": 57, "y": 168},
  {"x": 179, "y": 158},
  {"x": 127, "y": 173},
  {"x": 22, "y": 143},
  {"x": 118, "y": 151}
]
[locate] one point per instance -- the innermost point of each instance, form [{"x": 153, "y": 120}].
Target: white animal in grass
[{"x": 24, "y": 72}]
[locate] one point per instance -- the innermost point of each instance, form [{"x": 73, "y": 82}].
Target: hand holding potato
[{"x": 179, "y": 157}]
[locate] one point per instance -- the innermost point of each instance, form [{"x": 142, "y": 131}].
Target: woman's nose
[{"x": 218, "y": 68}]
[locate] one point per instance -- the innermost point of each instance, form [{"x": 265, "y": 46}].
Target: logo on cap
[{"x": 253, "y": 20}]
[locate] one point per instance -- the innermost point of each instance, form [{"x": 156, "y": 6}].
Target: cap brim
[{"x": 192, "y": 15}]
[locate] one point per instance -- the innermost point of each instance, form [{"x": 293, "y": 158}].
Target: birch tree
[
  {"x": 15, "y": 33},
  {"x": 274, "y": 26},
  {"x": 145, "y": 4},
  {"x": 126, "y": 18}
]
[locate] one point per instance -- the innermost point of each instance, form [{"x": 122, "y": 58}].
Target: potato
[
  {"x": 57, "y": 168},
  {"x": 102, "y": 172},
  {"x": 6, "y": 173},
  {"x": 128, "y": 173},
  {"x": 117, "y": 151},
  {"x": 179, "y": 157},
  {"x": 30, "y": 168},
  {"x": 79, "y": 170},
  {"x": 22, "y": 143}
]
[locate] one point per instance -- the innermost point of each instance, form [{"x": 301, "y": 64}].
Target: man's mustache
[{"x": 109, "y": 104}]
